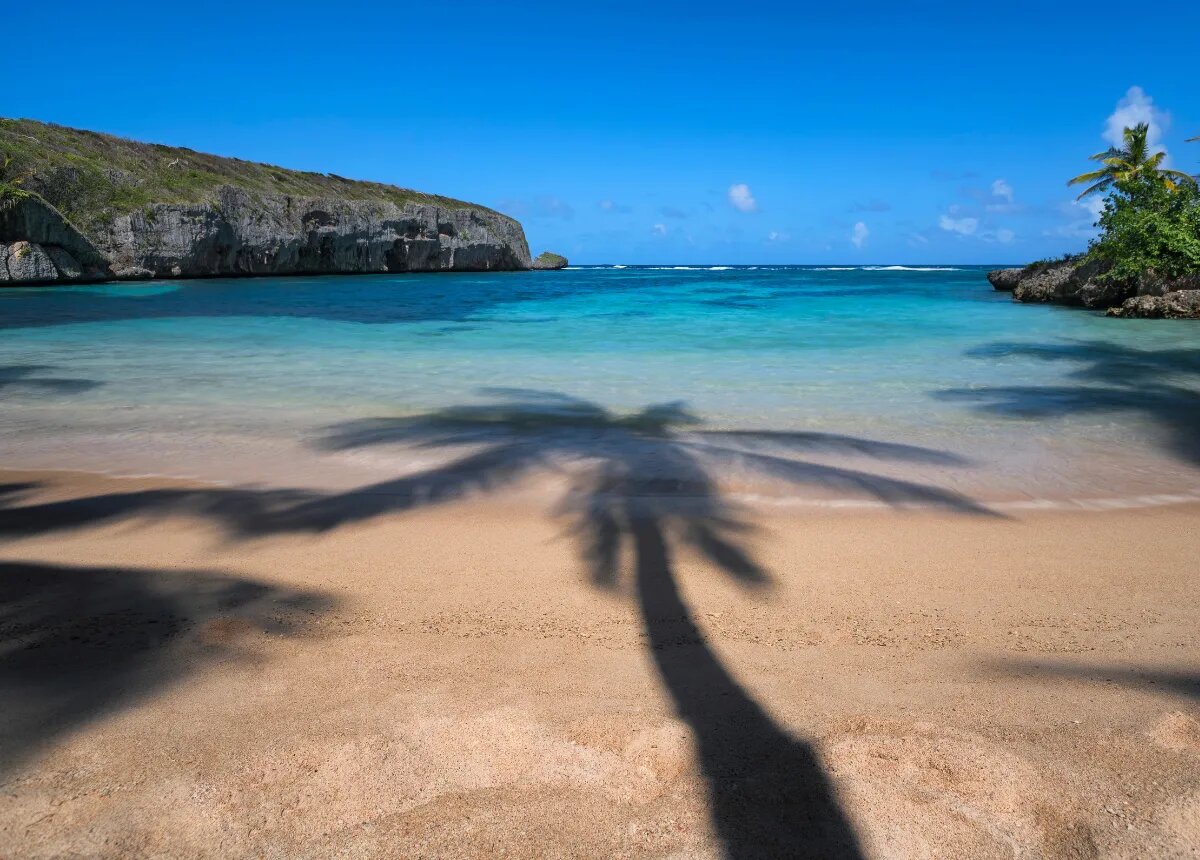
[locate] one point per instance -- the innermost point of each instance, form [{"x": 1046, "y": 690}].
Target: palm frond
[
  {"x": 1089, "y": 177},
  {"x": 1099, "y": 186}
]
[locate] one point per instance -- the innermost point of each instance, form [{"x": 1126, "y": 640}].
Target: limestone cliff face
[{"x": 239, "y": 234}]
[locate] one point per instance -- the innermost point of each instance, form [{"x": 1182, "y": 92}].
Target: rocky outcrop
[
  {"x": 1004, "y": 280},
  {"x": 240, "y": 234},
  {"x": 39, "y": 246},
  {"x": 1178, "y": 304},
  {"x": 549, "y": 260},
  {"x": 1080, "y": 282}
]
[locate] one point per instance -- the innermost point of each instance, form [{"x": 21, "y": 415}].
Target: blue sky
[{"x": 652, "y": 132}]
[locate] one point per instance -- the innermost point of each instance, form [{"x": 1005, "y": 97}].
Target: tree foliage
[{"x": 1148, "y": 227}]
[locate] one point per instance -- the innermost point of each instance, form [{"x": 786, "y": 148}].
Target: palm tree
[{"x": 1131, "y": 161}]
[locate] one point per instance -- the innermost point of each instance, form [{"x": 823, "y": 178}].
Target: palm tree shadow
[
  {"x": 79, "y": 642},
  {"x": 646, "y": 480},
  {"x": 1157, "y": 384}
]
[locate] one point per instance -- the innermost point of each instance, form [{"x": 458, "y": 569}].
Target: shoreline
[{"x": 543, "y": 497}]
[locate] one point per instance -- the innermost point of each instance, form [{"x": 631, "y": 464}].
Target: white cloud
[
  {"x": 741, "y": 199},
  {"x": 778, "y": 236},
  {"x": 1002, "y": 190},
  {"x": 917, "y": 239},
  {"x": 612, "y": 206},
  {"x": 1094, "y": 206},
  {"x": 1079, "y": 216},
  {"x": 962, "y": 226},
  {"x": 1004, "y": 235},
  {"x": 1133, "y": 108},
  {"x": 659, "y": 230},
  {"x": 859, "y": 234}
]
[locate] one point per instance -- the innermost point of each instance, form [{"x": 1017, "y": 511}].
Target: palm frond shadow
[
  {"x": 1157, "y": 384},
  {"x": 646, "y": 483},
  {"x": 1174, "y": 682},
  {"x": 79, "y": 642},
  {"x": 26, "y": 378},
  {"x": 642, "y": 480}
]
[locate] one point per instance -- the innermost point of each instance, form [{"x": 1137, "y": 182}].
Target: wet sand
[{"x": 481, "y": 678}]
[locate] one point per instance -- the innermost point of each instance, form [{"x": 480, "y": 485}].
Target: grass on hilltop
[{"x": 92, "y": 177}]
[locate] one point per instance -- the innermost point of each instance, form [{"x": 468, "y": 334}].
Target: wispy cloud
[
  {"x": 778, "y": 236},
  {"x": 1079, "y": 219},
  {"x": 1003, "y": 235},
  {"x": 659, "y": 229},
  {"x": 964, "y": 226},
  {"x": 1002, "y": 190},
  {"x": 858, "y": 236},
  {"x": 741, "y": 199},
  {"x": 1135, "y": 107},
  {"x": 615, "y": 208}
]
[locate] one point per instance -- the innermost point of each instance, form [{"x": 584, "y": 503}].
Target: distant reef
[
  {"x": 81, "y": 206},
  {"x": 549, "y": 260},
  {"x": 1082, "y": 283}
]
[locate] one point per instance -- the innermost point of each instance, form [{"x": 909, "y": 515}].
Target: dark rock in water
[
  {"x": 1049, "y": 282},
  {"x": 1004, "y": 280},
  {"x": 1179, "y": 304},
  {"x": 548, "y": 260},
  {"x": 1081, "y": 282},
  {"x": 220, "y": 217}
]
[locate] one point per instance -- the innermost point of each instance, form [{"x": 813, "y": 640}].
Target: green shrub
[{"x": 1149, "y": 227}]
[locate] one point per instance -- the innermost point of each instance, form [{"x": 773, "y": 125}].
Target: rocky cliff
[
  {"x": 1079, "y": 282},
  {"x": 93, "y": 207}
]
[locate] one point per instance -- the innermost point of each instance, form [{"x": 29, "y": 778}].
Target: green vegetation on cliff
[{"x": 92, "y": 177}]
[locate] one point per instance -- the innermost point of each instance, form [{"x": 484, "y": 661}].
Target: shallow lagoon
[{"x": 240, "y": 380}]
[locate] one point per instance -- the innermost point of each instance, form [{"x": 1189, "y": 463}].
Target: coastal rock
[
  {"x": 549, "y": 260},
  {"x": 243, "y": 235},
  {"x": 123, "y": 209},
  {"x": 31, "y": 219},
  {"x": 27, "y": 263},
  {"x": 1072, "y": 281},
  {"x": 1051, "y": 282},
  {"x": 68, "y": 267},
  {"x": 1004, "y": 280},
  {"x": 1180, "y": 304}
]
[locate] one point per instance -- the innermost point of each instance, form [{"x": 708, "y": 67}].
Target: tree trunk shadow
[{"x": 768, "y": 793}]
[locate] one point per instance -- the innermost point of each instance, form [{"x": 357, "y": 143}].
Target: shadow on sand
[
  {"x": 78, "y": 642},
  {"x": 1155, "y": 384},
  {"x": 1185, "y": 683},
  {"x": 642, "y": 482}
]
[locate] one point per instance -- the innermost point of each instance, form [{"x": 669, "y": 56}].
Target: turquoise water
[{"x": 236, "y": 380}]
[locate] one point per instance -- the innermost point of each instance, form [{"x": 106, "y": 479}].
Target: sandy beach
[{"x": 478, "y": 677}]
